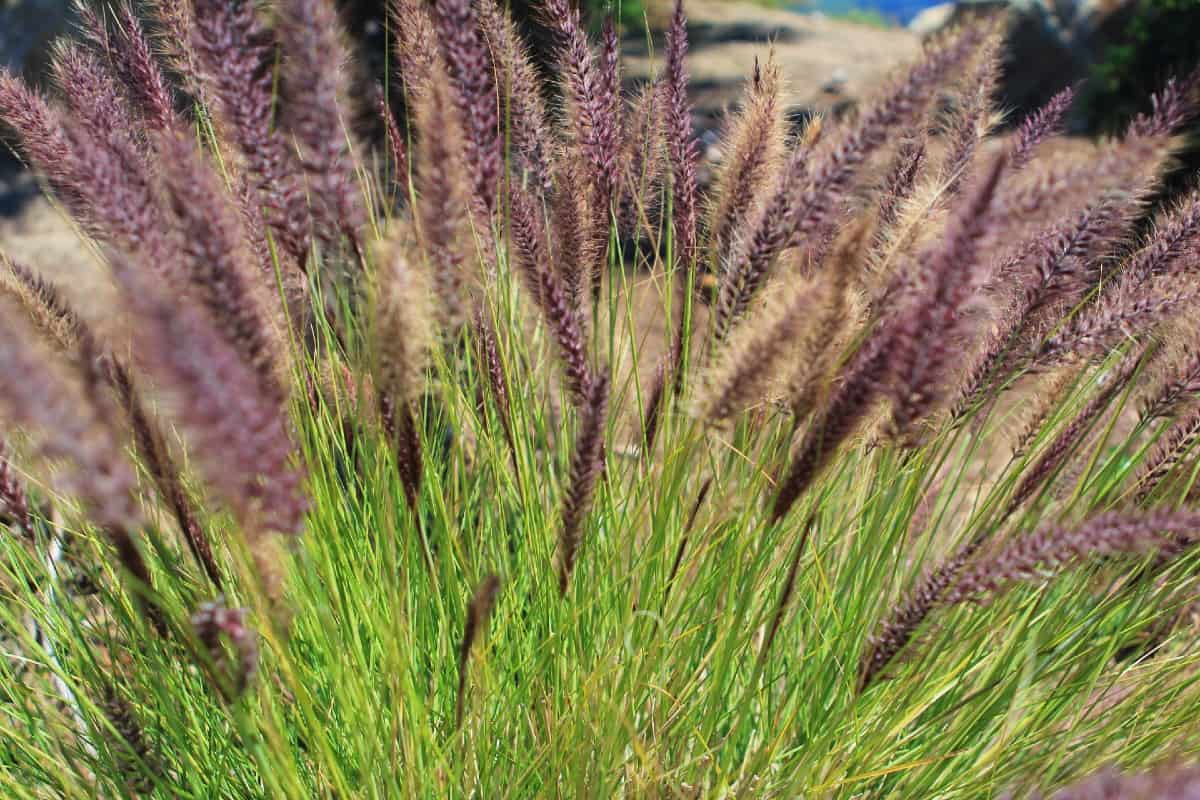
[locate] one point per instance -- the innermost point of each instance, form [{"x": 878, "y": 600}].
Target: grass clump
[{"x": 514, "y": 462}]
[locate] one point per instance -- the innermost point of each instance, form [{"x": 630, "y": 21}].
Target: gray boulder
[
  {"x": 27, "y": 27},
  {"x": 933, "y": 19},
  {"x": 1051, "y": 43}
]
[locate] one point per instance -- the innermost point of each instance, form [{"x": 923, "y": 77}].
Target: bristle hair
[
  {"x": 246, "y": 457},
  {"x": 234, "y": 55},
  {"x": 587, "y": 464},
  {"x": 469, "y": 67},
  {"x": 478, "y": 612},
  {"x": 314, "y": 111},
  {"x": 753, "y": 142}
]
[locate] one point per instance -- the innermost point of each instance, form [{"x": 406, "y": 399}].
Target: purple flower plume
[
  {"x": 925, "y": 336},
  {"x": 1171, "y": 107},
  {"x": 443, "y": 210},
  {"x": 812, "y": 187},
  {"x": 99, "y": 370},
  {"x": 314, "y": 90},
  {"x": 682, "y": 150},
  {"x": 520, "y": 84},
  {"x": 1051, "y": 270},
  {"x": 908, "y": 352},
  {"x": 89, "y": 155},
  {"x": 469, "y": 65},
  {"x": 1180, "y": 388},
  {"x": 96, "y": 98},
  {"x": 42, "y": 138},
  {"x": 901, "y": 180},
  {"x": 971, "y": 121},
  {"x": 478, "y": 612},
  {"x": 1176, "y": 237},
  {"x": 217, "y": 264},
  {"x": 72, "y": 426},
  {"x": 134, "y": 64},
  {"x": 235, "y": 55},
  {"x": 1044, "y": 123},
  {"x": 236, "y": 431},
  {"x": 752, "y": 143},
  {"x": 587, "y": 464},
  {"x": 1053, "y": 548},
  {"x": 1173, "y": 446},
  {"x": 14, "y": 504},
  {"x": 848, "y": 404},
  {"x": 927, "y": 594},
  {"x": 397, "y": 146},
  {"x": 593, "y": 92},
  {"x": 1065, "y": 442},
  {"x": 549, "y": 293},
  {"x": 142, "y": 73}
]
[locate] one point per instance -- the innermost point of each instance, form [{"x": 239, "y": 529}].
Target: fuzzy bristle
[
  {"x": 682, "y": 148},
  {"x": 753, "y": 143},
  {"x": 587, "y": 464},
  {"x": 478, "y": 612},
  {"x": 811, "y": 186},
  {"x": 403, "y": 337},
  {"x": 234, "y": 55},
  {"x": 469, "y": 67},
  {"x": 519, "y": 83},
  {"x": 1044, "y": 123},
  {"x": 443, "y": 185},
  {"x": 1170, "y": 449},
  {"x": 14, "y": 503},
  {"x": 551, "y": 294},
  {"x": 753, "y": 355},
  {"x": 201, "y": 378},
  {"x": 217, "y": 264},
  {"x": 314, "y": 112}
]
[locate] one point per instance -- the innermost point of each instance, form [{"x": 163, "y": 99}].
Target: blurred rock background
[{"x": 27, "y": 27}]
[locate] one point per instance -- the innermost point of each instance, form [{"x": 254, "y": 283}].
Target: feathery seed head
[
  {"x": 235, "y": 57},
  {"x": 214, "y": 625},
  {"x": 235, "y": 429},
  {"x": 469, "y": 67},
  {"x": 587, "y": 465},
  {"x": 14, "y": 504},
  {"x": 478, "y": 612},
  {"x": 313, "y": 109},
  {"x": 1044, "y": 123}
]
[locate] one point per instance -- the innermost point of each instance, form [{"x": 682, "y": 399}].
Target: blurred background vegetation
[
  {"x": 634, "y": 14},
  {"x": 1162, "y": 38}
]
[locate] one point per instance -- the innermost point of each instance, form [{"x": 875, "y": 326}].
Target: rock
[
  {"x": 828, "y": 64},
  {"x": 1051, "y": 43},
  {"x": 27, "y": 27},
  {"x": 932, "y": 19},
  {"x": 836, "y": 81}
]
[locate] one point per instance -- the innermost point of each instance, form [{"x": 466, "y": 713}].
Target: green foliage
[
  {"x": 1160, "y": 40},
  {"x": 867, "y": 16},
  {"x": 632, "y": 14},
  {"x": 632, "y": 685}
]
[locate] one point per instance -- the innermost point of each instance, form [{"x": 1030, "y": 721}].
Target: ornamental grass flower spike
[{"x": 819, "y": 469}]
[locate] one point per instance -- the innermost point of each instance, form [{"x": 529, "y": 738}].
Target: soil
[{"x": 827, "y": 63}]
